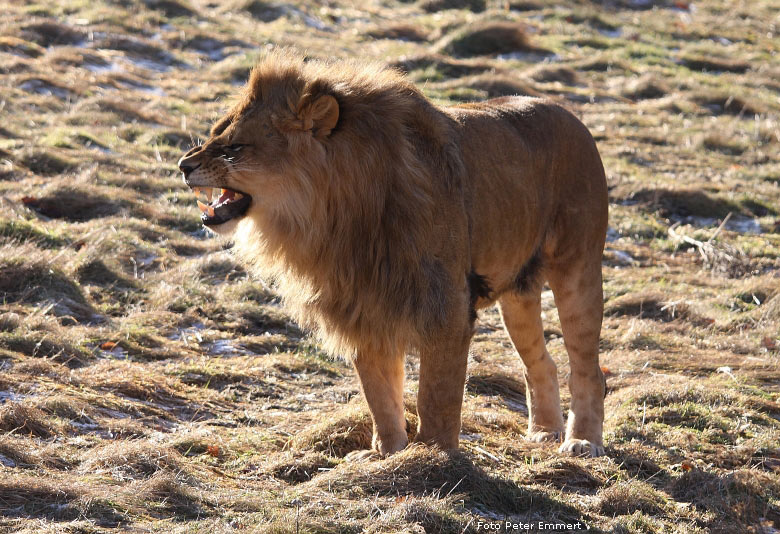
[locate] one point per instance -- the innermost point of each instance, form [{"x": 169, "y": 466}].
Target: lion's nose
[{"x": 187, "y": 166}]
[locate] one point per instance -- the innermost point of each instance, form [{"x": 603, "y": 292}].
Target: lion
[{"x": 388, "y": 221}]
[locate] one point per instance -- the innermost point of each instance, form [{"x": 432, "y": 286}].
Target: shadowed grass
[{"x": 420, "y": 470}]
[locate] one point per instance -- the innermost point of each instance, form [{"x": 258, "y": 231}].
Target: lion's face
[
  {"x": 238, "y": 168},
  {"x": 251, "y": 161}
]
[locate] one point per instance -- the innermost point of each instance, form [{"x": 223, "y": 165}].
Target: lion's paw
[
  {"x": 364, "y": 455},
  {"x": 543, "y": 436},
  {"x": 581, "y": 447}
]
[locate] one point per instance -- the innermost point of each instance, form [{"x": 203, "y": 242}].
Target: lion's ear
[{"x": 319, "y": 115}]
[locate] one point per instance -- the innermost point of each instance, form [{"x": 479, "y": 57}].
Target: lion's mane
[{"x": 351, "y": 253}]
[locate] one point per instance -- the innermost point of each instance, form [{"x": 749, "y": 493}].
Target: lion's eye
[{"x": 234, "y": 148}]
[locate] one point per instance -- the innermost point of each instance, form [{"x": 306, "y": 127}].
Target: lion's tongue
[{"x": 227, "y": 194}]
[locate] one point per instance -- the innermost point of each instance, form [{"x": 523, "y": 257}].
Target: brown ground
[{"x": 147, "y": 383}]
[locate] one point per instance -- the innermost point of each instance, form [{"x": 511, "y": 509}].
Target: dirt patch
[{"x": 602, "y": 65}]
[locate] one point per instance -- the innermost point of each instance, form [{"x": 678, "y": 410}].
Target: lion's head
[{"x": 253, "y": 154}]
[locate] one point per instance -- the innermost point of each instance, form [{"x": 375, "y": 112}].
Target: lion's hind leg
[
  {"x": 521, "y": 312},
  {"x": 578, "y": 295}
]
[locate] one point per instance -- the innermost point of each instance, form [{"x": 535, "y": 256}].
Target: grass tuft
[
  {"x": 655, "y": 306},
  {"x": 562, "y": 74},
  {"x": 432, "y": 6},
  {"x": 624, "y": 498},
  {"x": 34, "y": 279},
  {"x": 646, "y": 87},
  {"x": 74, "y": 203},
  {"x": 299, "y": 469},
  {"x": 128, "y": 460},
  {"x": 488, "y": 38},
  {"x": 741, "y": 497},
  {"x": 166, "y": 493},
  {"x": 18, "y": 418},
  {"x": 400, "y": 32},
  {"x": 719, "y": 104},
  {"x": 50, "y": 33},
  {"x": 437, "y": 66},
  {"x": 47, "y": 163},
  {"x": 345, "y": 432},
  {"x": 420, "y": 470},
  {"x": 714, "y": 64}
]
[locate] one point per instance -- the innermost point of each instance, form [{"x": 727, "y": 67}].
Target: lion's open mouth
[{"x": 223, "y": 205}]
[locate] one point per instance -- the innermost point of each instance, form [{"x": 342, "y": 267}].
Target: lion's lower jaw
[{"x": 226, "y": 229}]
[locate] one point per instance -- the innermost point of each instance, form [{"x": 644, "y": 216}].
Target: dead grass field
[{"x": 148, "y": 384}]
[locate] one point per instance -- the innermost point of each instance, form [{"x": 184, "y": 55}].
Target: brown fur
[{"x": 387, "y": 220}]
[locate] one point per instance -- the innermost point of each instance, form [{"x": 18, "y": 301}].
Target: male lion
[{"x": 387, "y": 221}]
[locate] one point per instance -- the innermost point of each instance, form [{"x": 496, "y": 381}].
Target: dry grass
[{"x": 149, "y": 383}]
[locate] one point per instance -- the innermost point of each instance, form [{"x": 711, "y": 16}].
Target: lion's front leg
[
  {"x": 443, "y": 362},
  {"x": 382, "y": 380}
]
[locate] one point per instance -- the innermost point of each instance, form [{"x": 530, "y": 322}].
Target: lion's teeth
[
  {"x": 196, "y": 190},
  {"x": 204, "y": 208},
  {"x": 237, "y": 196},
  {"x": 209, "y": 193},
  {"x": 210, "y": 211}
]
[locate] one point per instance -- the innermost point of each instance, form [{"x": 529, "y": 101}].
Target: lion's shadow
[{"x": 423, "y": 471}]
